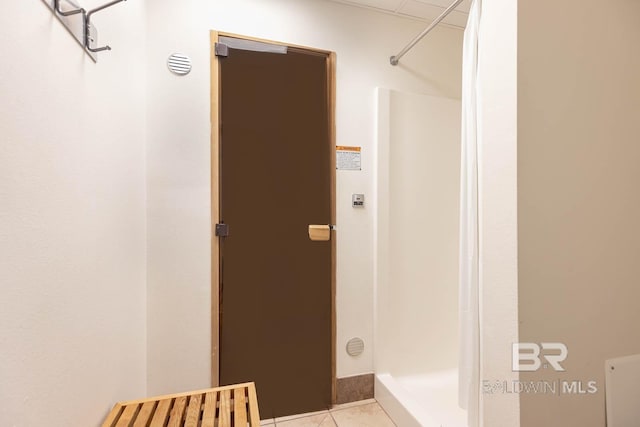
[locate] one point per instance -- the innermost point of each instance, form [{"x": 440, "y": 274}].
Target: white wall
[
  {"x": 498, "y": 202},
  {"x": 418, "y": 188},
  {"x": 179, "y": 164},
  {"x": 72, "y": 218},
  {"x": 578, "y": 174}
]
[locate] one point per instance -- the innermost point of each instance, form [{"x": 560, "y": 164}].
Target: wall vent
[
  {"x": 355, "y": 347},
  {"x": 179, "y": 64}
]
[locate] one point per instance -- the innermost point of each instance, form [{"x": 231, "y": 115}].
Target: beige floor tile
[
  {"x": 318, "y": 420},
  {"x": 307, "y": 415},
  {"x": 267, "y": 422},
  {"x": 328, "y": 422},
  {"x": 370, "y": 415},
  {"x": 352, "y": 404}
]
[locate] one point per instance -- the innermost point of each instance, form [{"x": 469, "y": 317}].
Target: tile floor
[{"x": 366, "y": 413}]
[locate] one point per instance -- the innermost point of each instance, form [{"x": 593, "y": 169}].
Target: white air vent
[
  {"x": 355, "y": 347},
  {"x": 179, "y": 64}
]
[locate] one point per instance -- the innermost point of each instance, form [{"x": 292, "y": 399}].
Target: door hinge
[
  {"x": 222, "y": 230},
  {"x": 221, "y": 50}
]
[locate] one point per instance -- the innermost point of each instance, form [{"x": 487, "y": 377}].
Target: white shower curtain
[{"x": 469, "y": 369}]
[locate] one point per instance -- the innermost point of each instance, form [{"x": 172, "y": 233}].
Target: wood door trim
[
  {"x": 331, "y": 75},
  {"x": 215, "y": 200},
  {"x": 215, "y": 213}
]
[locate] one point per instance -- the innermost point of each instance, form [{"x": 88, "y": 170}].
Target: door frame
[{"x": 215, "y": 198}]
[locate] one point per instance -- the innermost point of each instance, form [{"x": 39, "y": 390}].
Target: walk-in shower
[
  {"x": 427, "y": 353},
  {"x": 417, "y": 240}
]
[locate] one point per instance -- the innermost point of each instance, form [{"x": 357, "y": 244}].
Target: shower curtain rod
[{"x": 395, "y": 59}]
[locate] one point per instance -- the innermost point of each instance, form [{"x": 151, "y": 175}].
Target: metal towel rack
[{"x": 81, "y": 29}]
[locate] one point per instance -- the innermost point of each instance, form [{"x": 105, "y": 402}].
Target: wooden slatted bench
[{"x": 235, "y": 405}]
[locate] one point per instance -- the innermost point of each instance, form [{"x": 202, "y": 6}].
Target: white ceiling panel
[
  {"x": 463, "y": 7},
  {"x": 388, "y": 5},
  {"x": 425, "y": 10},
  {"x": 430, "y": 12}
]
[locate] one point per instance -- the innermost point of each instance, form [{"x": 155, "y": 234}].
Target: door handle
[{"x": 320, "y": 233}]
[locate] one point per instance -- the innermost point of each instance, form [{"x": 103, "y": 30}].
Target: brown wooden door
[{"x": 275, "y": 180}]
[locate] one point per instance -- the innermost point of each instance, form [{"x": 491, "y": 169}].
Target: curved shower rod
[{"x": 396, "y": 58}]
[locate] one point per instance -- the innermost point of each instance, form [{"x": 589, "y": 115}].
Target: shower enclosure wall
[{"x": 417, "y": 251}]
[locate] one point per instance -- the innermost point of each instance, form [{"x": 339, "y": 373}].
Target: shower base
[{"x": 429, "y": 400}]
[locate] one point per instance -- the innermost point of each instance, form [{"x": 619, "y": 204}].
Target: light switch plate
[{"x": 357, "y": 201}]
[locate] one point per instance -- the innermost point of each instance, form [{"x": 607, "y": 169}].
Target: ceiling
[{"x": 426, "y": 10}]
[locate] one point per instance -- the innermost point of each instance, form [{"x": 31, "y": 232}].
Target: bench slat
[
  {"x": 127, "y": 416},
  {"x": 193, "y": 411},
  {"x": 209, "y": 414},
  {"x": 254, "y": 413},
  {"x": 177, "y": 413},
  {"x": 113, "y": 416},
  {"x": 225, "y": 408},
  {"x": 145, "y": 414},
  {"x": 162, "y": 413},
  {"x": 239, "y": 407}
]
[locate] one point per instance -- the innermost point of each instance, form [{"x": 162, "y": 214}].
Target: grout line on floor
[
  {"x": 329, "y": 412},
  {"x": 387, "y": 414},
  {"x": 355, "y": 404},
  {"x": 333, "y": 419},
  {"x": 298, "y": 416}
]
